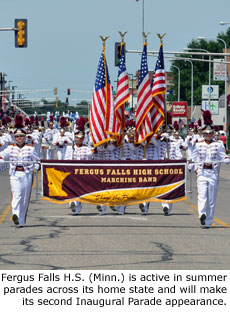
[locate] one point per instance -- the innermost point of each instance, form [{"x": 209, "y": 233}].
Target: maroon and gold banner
[{"x": 113, "y": 182}]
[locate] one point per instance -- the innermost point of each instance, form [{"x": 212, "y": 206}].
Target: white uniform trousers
[
  {"x": 103, "y": 209},
  {"x": 21, "y": 185},
  {"x": 50, "y": 154},
  {"x": 78, "y": 207},
  {"x": 43, "y": 154},
  {"x": 61, "y": 152},
  {"x": 146, "y": 207},
  {"x": 121, "y": 209},
  {"x": 207, "y": 183}
]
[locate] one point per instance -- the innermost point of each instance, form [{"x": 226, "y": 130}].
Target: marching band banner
[{"x": 113, "y": 182}]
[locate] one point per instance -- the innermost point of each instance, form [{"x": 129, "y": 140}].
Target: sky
[{"x": 64, "y": 45}]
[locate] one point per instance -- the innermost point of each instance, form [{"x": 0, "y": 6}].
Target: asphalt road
[{"x": 55, "y": 239}]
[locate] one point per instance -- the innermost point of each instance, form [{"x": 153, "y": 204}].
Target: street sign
[
  {"x": 179, "y": 109},
  {"x": 214, "y": 92},
  {"x": 218, "y": 70},
  {"x": 214, "y": 106}
]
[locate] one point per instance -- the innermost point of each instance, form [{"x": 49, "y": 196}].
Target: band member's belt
[
  {"x": 208, "y": 166},
  {"x": 19, "y": 169}
]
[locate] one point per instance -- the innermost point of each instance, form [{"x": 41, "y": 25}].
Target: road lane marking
[
  {"x": 215, "y": 219},
  {"x": 34, "y": 183},
  {"x": 5, "y": 214},
  {"x": 221, "y": 222},
  {"x": 8, "y": 208},
  {"x": 96, "y": 216}
]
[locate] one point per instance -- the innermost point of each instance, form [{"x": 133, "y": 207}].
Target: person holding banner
[
  {"x": 128, "y": 152},
  {"x": 168, "y": 150},
  {"x": 21, "y": 172},
  {"x": 80, "y": 152},
  {"x": 149, "y": 153},
  {"x": 209, "y": 153},
  {"x": 106, "y": 152}
]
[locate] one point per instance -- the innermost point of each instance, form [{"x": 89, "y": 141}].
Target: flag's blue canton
[
  {"x": 100, "y": 78},
  {"x": 144, "y": 66},
  {"x": 122, "y": 67},
  {"x": 160, "y": 60}
]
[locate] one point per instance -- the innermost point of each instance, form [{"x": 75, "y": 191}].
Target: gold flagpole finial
[
  {"x": 161, "y": 37},
  {"x": 122, "y": 36},
  {"x": 103, "y": 39},
  {"x": 145, "y": 35}
]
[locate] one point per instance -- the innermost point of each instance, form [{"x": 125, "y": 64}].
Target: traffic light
[
  {"x": 67, "y": 100},
  {"x": 68, "y": 91},
  {"x": 118, "y": 53},
  {"x": 55, "y": 91},
  {"x": 20, "y": 33},
  {"x": 56, "y": 102}
]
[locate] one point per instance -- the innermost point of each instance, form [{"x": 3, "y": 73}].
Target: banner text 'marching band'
[{"x": 113, "y": 182}]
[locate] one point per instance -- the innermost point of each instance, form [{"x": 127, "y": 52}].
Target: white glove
[
  {"x": 37, "y": 166},
  {"x": 226, "y": 160}
]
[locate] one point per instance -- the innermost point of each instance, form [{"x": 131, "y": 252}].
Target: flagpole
[
  {"x": 143, "y": 16},
  {"x": 118, "y": 107},
  {"x": 165, "y": 98},
  {"x": 166, "y": 124},
  {"x": 106, "y": 97}
]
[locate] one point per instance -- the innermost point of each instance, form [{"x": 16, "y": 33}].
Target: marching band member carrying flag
[
  {"x": 158, "y": 91},
  {"x": 122, "y": 93},
  {"x": 144, "y": 100},
  {"x": 102, "y": 114}
]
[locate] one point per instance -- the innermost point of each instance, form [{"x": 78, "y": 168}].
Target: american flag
[
  {"x": 158, "y": 89},
  {"x": 144, "y": 101},
  {"x": 102, "y": 117},
  {"x": 122, "y": 95}
]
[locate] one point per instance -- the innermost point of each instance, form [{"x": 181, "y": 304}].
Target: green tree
[{"x": 200, "y": 69}]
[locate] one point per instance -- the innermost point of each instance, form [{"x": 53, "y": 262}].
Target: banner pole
[{"x": 36, "y": 184}]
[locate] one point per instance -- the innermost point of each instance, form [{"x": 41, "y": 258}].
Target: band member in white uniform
[
  {"x": 21, "y": 172},
  {"x": 168, "y": 149},
  {"x": 150, "y": 153},
  {"x": 48, "y": 137},
  {"x": 129, "y": 150},
  {"x": 80, "y": 152},
  {"x": 199, "y": 136},
  {"x": 61, "y": 141},
  {"x": 189, "y": 143},
  {"x": 208, "y": 152},
  {"x": 106, "y": 152}
]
